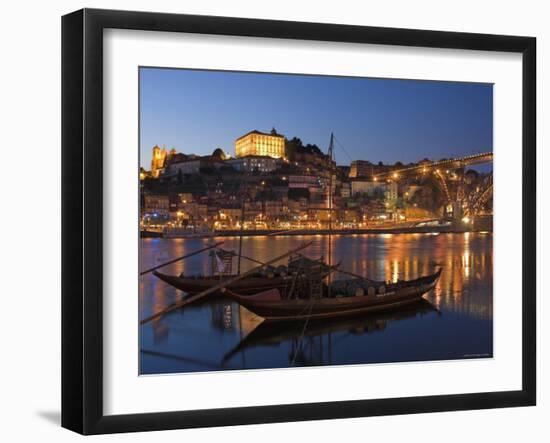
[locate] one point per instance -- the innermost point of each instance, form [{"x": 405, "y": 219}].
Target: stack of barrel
[{"x": 357, "y": 287}]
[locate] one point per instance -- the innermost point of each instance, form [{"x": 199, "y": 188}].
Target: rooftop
[{"x": 273, "y": 133}]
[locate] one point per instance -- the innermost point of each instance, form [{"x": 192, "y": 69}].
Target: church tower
[{"x": 157, "y": 160}]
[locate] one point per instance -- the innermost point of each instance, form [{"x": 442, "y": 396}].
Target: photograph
[
  {"x": 292, "y": 220},
  {"x": 275, "y": 221}
]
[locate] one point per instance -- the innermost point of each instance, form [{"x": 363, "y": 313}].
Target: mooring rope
[{"x": 303, "y": 330}]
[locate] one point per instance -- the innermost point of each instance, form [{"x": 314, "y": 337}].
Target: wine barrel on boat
[{"x": 356, "y": 287}]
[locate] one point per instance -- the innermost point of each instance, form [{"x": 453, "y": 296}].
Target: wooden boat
[
  {"x": 271, "y": 306},
  {"x": 252, "y": 284},
  {"x": 248, "y": 285}
]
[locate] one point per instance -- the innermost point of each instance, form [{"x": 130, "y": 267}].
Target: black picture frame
[{"x": 82, "y": 230}]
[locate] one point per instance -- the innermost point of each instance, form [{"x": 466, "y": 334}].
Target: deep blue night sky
[{"x": 374, "y": 119}]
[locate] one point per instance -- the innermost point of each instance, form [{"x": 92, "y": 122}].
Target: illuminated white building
[{"x": 259, "y": 143}]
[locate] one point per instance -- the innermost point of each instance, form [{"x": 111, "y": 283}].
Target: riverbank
[
  {"x": 402, "y": 230},
  {"x": 275, "y": 232}
]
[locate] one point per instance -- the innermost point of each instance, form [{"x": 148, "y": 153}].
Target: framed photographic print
[{"x": 269, "y": 221}]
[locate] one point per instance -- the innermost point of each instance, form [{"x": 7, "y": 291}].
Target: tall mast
[
  {"x": 241, "y": 238},
  {"x": 330, "y": 149}
]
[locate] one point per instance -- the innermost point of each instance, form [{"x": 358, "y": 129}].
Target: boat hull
[
  {"x": 337, "y": 307},
  {"x": 246, "y": 286}
]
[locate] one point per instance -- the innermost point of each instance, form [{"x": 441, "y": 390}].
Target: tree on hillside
[{"x": 296, "y": 146}]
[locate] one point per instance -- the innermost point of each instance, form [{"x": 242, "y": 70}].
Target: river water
[{"x": 455, "y": 322}]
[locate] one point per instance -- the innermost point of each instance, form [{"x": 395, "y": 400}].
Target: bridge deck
[{"x": 452, "y": 163}]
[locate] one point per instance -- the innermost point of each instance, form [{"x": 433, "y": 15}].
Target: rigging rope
[{"x": 343, "y": 149}]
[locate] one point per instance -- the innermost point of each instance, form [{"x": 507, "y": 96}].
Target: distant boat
[
  {"x": 271, "y": 306},
  {"x": 183, "y": 232},
  {"x": 150, "y": 234}
]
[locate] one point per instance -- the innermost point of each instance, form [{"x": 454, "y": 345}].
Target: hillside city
[{"x": 273, "y": 183}]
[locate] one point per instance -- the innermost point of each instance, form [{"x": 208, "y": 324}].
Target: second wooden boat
[
  {"x": 280, "y": 278},
  {"x": 271, "y": 306},
  {"x": 248, "y": 285}
]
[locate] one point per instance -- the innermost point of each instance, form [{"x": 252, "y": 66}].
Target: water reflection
[
  {"x": 312, "y": 344},
  {"x": 219, "y": 334}
]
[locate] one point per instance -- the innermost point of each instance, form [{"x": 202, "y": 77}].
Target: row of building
[
  {"x": 265, "y": 186},
  {"x": 266, "y": 214},
  {"x": 226, "y": 210}
]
